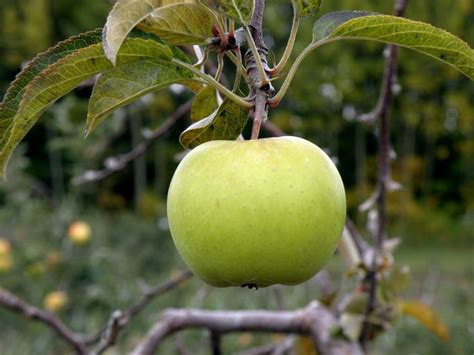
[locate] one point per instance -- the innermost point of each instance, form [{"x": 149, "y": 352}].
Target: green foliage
[
  {"x": 204, "y": 104},
  {"x": 239, "y": 10},
  {"x": 226, "y": 123},
  {"x": 305, "y": 7},
  {"x": 181, "y": 23},
  {"x": 124, "y": 16},
  {"x": 55, "y": 73},
  {"x": 419, "y": 36},
  {"x": 20, "y": 23},
  {"x": 121, "y": 85},
  {"x": 58, "y": 77}
]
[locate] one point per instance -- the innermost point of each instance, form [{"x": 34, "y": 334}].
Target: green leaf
[
  {"x": 124, "y": 16},
  {"x": 402, "y": 32},
  {"x": 226, "y": 123},
  {"x": 306, "y": 7},
  {"x": 204, "y": 104},
  {"x": 39, "y": 86},
  {"x": 239, "y": 10},
  {"x": 426, "y": 316},
  {"x": 122, "y": 85},
  {"x": 11, "y": 100},
  {"x": 181, "y": 23},
  {"x": 325, "y": 26}
]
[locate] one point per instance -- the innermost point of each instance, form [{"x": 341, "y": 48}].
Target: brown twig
[
  {"x": 151, "y": 293},
  {"x": 14, "y": 303},
  {"x": 215, "y": 339},
  {"x": 314, "y": 320},
  {"x": 115, "y": 164},
  {"x": 279, "y": 348},
  {"x": 381, "y": 111},
  {"x": 359, "y": 242},
  {"x": 118, "y": 320}
]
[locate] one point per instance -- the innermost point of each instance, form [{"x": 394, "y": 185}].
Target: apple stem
[{"x": 260, "y": 114}]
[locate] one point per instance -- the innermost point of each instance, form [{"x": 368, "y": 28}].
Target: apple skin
[
  {"x": 256, "y": 213},
  {"x": 55, "y": 301},
  {"x": 79, "y": 233}
]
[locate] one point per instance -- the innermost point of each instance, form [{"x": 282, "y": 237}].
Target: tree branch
[
  {"x": 382, "y": 112},
  {"x": 15, "y": 304},
  {"x": 314, "y": 320},
  {"x": 260, "y": 87},
  {"x": 215, "y": 339},
  {"x": 118, "y": 163},
  {"x": 118, "y": 319}
]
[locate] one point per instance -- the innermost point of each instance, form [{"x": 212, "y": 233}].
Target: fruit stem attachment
[{"x": 260, "y": 114}]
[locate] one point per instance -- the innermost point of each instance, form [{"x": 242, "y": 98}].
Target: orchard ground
[{"x": 127, "y": 250}]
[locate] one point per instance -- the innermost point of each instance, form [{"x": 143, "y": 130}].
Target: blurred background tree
[{"x": 432, "y": 135}]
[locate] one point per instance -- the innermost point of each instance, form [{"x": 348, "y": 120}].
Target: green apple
[{"x": 257, "y": 212}]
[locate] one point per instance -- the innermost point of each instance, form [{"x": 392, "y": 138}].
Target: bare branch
[
  {"x": 382, "y": 112},
  {"x": 279, "y": 348},
  {"x": 110, "y": 335},
  {"x": 115, "y": 164},
  {"x": 215, "y": 339},
  {"x": 118, "y": 320},
  {"x": 360, "y": 243},
  {"x": 151, "y": 293},
  {"x": 314, "y": 320},
  {"x": 15, "y": 304}
]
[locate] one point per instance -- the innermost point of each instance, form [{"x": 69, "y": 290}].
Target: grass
[{"x": 127, "y": 250}]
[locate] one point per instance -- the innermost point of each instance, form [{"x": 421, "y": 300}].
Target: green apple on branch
[{"x": 256, "y": 213}]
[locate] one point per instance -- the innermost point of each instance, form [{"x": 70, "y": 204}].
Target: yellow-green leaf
[
  {"x": 226, "y": 123},
  {"x": 12, "y": 98},
  {"x": 38, "y": 88},
  {"x": 402, "y": 32},
  {"x": 124, "y": 84},
  {"x": 204, "y": 104},
  {"x": 181, "y": 23},
  {"x": 124, "y": 16},
  {"x": 426, "y": 316},
  {"x": 306, "y": 7},
  {"x": 239, "y": 10}
]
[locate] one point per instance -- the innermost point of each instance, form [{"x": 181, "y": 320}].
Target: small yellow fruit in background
[
  {"x": 79, "y": 233},
  {"x": 5, "y": 247},
  {"x": 6, "y": 263},
  {"x": 55, "y": 301},
  {"x": 6, "y": 260}
]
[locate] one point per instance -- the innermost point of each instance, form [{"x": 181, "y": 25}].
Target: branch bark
[
  {"x": 118, "y": 320},
  {"x": 115, "y": 164},
  {"x": 15, "y": 304},
  {"x": 314, "y": 320},
  {"x": 382, "y": 113}
]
